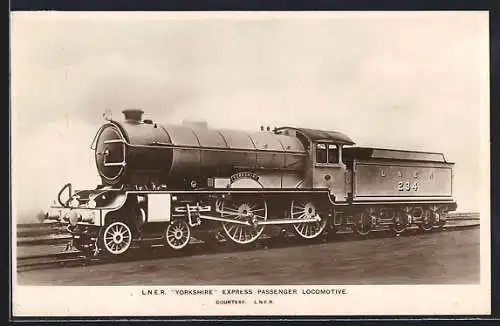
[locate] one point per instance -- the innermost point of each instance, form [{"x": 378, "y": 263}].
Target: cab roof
[{"x": 322, "y": 135}]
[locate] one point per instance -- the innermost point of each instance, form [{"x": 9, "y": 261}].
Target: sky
[{"x": 404, "y": 80}]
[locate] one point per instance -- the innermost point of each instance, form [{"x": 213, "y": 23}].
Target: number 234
[{"x": 407, "y": 186}]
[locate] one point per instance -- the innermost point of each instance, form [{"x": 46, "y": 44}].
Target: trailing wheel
[
  {"x": 363, "y": 223},
  {"x": 427, "y": 221},
  {"x": 249, "y": 211},
  {"x": 177, "y": 234},
  {"x": 307, "y": 209},
  {"x": 117, "y": 238}
]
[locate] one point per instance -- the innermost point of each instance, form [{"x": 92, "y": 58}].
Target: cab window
[
  {"x": 321, "y": 153},
  {"x": 333, "y": 153},
  {"x": 327, "y": 153}
]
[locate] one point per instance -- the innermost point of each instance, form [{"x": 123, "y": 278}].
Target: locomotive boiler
[
  {"x": 187, "y": 156},
  {"x": 190, "y": 180}
]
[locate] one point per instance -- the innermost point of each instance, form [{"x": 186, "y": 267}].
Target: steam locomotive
[{"x": 189, "y": 180}]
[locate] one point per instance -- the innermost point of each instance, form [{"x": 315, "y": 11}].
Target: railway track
[
  {"x": 49, "y": 261},
  {"x": 151, "y": 249}
]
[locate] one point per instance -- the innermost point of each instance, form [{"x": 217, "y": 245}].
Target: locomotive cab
[
  {"x": 325, "y": 168},
  {"x": 328, "y": 169}
]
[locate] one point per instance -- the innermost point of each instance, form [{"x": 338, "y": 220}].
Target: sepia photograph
[{"x": 250, "y": 163}]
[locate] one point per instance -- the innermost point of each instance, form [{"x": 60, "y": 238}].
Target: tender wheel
[
  {"x": 440, "y": 225},
  {"x": 177, "y": 234},
  {"x": 363, "y": 224},
  {"x": 427, "y": 223},
  {"x": 307, "y": 210},
  {"x": 400, "y": 222},
  {"x": 245, "y": 211},
  {"x": 441, "y": 222},
  {"x": 117, "y": 238}
]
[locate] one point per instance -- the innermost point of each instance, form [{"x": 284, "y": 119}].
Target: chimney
[{"x": 133, "y": 115}]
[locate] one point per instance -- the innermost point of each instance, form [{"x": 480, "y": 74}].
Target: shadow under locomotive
[{"x": 193, "y": 181}]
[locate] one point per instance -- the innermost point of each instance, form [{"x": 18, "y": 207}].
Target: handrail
[
  {"x": 68, "y": 185},
  {"x": 94, "y": 141}
]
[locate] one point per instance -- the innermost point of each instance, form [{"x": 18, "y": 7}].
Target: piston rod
[
  {"x": 270, "y": 222},
  {"x": 221, "y": 219},
  {"x": 288, "y": 221}
]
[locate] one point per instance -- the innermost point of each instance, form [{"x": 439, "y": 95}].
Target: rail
[
  {"x": 469, "y": 216},
  {"x": 41, "y": 234}
]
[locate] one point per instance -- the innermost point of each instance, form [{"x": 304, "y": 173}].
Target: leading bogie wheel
[
  {"x": 177, "y": 234},
  {"x": 307, "y": 209},
  {"x": 250, "y": 211},
  {"x": 117, "y": 238}
]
